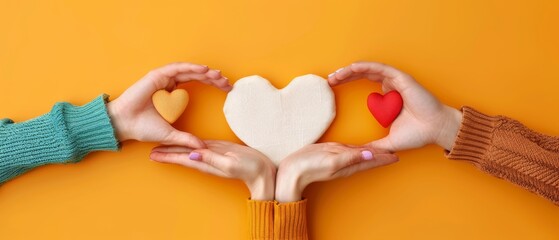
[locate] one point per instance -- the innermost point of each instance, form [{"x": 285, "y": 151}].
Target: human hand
[
  {"x": 134, "y": 116},
  {"x": 423, "y": 119},
  {"x": 226, "y": 159},
  {"x": 322, "y": 162}
]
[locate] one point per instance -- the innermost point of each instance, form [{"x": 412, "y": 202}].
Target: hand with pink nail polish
[
  {"x": 134, "y": 116},
  {"x": 323, "y": 162},
  {"x": 226, "y": 159}
]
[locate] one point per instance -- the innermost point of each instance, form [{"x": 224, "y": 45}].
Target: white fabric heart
[{"x": 280, "y": 122}]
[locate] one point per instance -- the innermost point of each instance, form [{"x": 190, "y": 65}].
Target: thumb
[
  {"x": 383, "y": 143},
  {"x": 180, "y": 138},
  {"x": 222, "y": 162}
]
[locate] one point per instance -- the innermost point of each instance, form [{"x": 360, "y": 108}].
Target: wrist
[
  {"x": 262, "y": 190},
  {"x": 450, "y": 128},
  {"x": 263, "y": 187},
  {"x": 289, "y": 187},
  {"x": 117, "y": 120}
]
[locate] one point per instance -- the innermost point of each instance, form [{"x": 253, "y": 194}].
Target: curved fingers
[
  {"x": 184, "y": 160},
  {"x": 169, "y": 75},
  {"x": 377, "y": 161},
  {"x": 374, "y": 71}
]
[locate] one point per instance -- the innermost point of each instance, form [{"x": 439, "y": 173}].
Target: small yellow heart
[{"x": 170, "y": 105}]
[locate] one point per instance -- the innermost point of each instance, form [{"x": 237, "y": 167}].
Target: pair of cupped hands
[{"x": 423, "y": 120}]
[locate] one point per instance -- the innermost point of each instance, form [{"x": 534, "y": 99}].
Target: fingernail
[
  {"x": 331, "y": 74},
  {"x": 367, "y": 155},
  {"x": 339, "y": 70},
  {"x": 194, "y": 156}
]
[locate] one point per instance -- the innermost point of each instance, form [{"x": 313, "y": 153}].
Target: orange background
[{"x": 501, "y": 57}]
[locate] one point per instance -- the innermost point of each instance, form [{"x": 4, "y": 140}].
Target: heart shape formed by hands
[
  {"x": 170, "y": 105},
  {"x": 385, "y": 108},
  {"x": 280, "y": 122}
]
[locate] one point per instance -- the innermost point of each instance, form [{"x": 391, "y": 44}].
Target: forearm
[
  {"x": 507, "y": 149},
  {"x": 64, "y": 135}
]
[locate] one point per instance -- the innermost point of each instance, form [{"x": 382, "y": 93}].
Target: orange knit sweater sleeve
[
  {"x": 278, "y": 221},
  {"x": 290, "y": 221},
  {"x": 505, "y": 148},
  {"x": 261, "y": 219}
]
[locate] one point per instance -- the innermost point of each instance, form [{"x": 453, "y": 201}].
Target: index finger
[
  {"x": 374, "y": 71},
  {"x": 182, "y": 72},
  {"x": 164, "y": 77},
  {"x": 219, "y": 82},
  {"x": 380, "y": 69},
  {"x": 173, "y": 69}
]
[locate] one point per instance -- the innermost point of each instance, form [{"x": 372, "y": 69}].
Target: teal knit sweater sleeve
[{"x": 64, "y": 135}]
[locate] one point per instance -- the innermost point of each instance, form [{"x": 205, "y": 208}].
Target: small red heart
[{"x": 385, "y": 108}]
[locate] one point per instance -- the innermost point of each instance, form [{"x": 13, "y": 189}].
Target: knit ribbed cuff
[
  {"x": 474, "y": 136},
  {"x": 89, "y": 126},
  {"x": 261, "y": 219},
  {"x": 291, "y": 221}
]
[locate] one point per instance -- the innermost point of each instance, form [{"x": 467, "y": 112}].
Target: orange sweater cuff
[
  {"x": 291, "y": 221},
  {"x": 261, "y": 219},
  {"x": 474, "y": 137}
]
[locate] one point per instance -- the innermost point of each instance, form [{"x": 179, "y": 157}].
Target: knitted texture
[
  {"x": 261, "y": 219},
  {"x": 64, "y": 135},
  {"x": 507, "y": 149},
  {"x": 279, "y": 221},
  {"x": 290, "y": 221}
]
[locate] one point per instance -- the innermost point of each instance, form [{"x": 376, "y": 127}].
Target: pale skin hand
[
  {"x": 226, "y": 159},
  {"x": 134, "y": 116},
  {"x": 323, "y": 162},
  {"x": 423, "y": 120}
]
